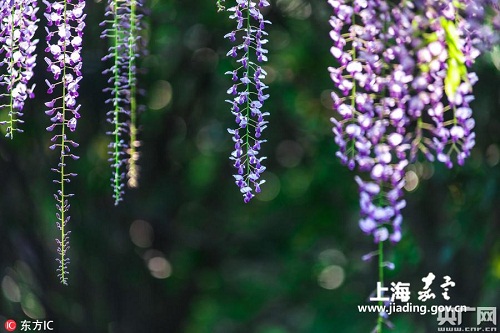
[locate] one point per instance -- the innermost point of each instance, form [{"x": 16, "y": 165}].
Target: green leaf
[
  {"x": 452, "y": 79},
  {"x": 457, "y": 71}
]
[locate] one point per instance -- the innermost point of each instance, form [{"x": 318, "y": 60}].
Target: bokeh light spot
[
  {"x": 428, "y": 170},
  {"x": 159, "y": 267},
  {"x": 161, "y": 95},
  {"x": 271, "y": 188},
  {"x": 11, "y": 289},
  {"x": 32, "y": 307},
  {"x": 332, "y": 256},
  {"x": 412, "y": 181},
  {"x": 210, "y": 138},
  {"x": 492, "y": 155},
  {"x": 331, "y": 277},
  {"x": 298, "y": 9},
  {"x": 141, "y": 233},
  {"x": 205, "y": 59},
  {"x": 289, "y": 153}
]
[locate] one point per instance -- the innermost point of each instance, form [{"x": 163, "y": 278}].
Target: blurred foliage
[{"x": 183, "y": 253}]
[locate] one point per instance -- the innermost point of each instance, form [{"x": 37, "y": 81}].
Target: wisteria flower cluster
[
  {"x": 248, "y": 93},
  {"x": 18, "y": 24},
  {"x": 403, "y": 89},
  {"x": 124, "y": 26},
  {"x": 65, "y": 24}
]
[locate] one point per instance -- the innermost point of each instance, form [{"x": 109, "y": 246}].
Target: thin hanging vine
[
  {"x": 248, "y": 93},
  {"x": 65, "y": 21},
  {"x": 124, "y": 23}
]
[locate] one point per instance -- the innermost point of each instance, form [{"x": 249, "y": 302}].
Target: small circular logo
[{"x": 10, "y": 325}]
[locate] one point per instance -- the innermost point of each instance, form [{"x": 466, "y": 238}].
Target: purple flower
[
  {"x": 118, "y": 35},
  {"x": 65, "y": 21},
  {"x": 248, "y": 94},
  {"x": 18, "y": 24},
  {"x": 123, "y": 23},
  {"x": 383, "y": 115}
]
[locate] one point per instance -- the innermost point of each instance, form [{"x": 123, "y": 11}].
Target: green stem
[
  {"x": 132, "y": 167},
  {"x": 381, "y": 280},
  {"x": 63, "y": 155},
  {"x": 247, "y": 115},
  {"x": 353, "y": 92},
  {"x": 11, "y": 67},
  {"x": 117, "y": 36}
]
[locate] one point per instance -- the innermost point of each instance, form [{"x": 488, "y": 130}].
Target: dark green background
[{"x": 235, "y": 267}]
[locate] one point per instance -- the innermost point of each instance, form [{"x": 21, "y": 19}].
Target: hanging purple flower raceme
[
  {"x": 124, "y": 25},
  {"x": 248, "y": 93},
  {"x": 392, "y": 79},
  {"x": 403, "y": 89},
  {"x": 17, "y": 30},
  {"x": 370, "y": 129},
  {"x": 65, "y": 24},
  {"x": 118, "y": 33},
  {"x": 443, "y": 87}
]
